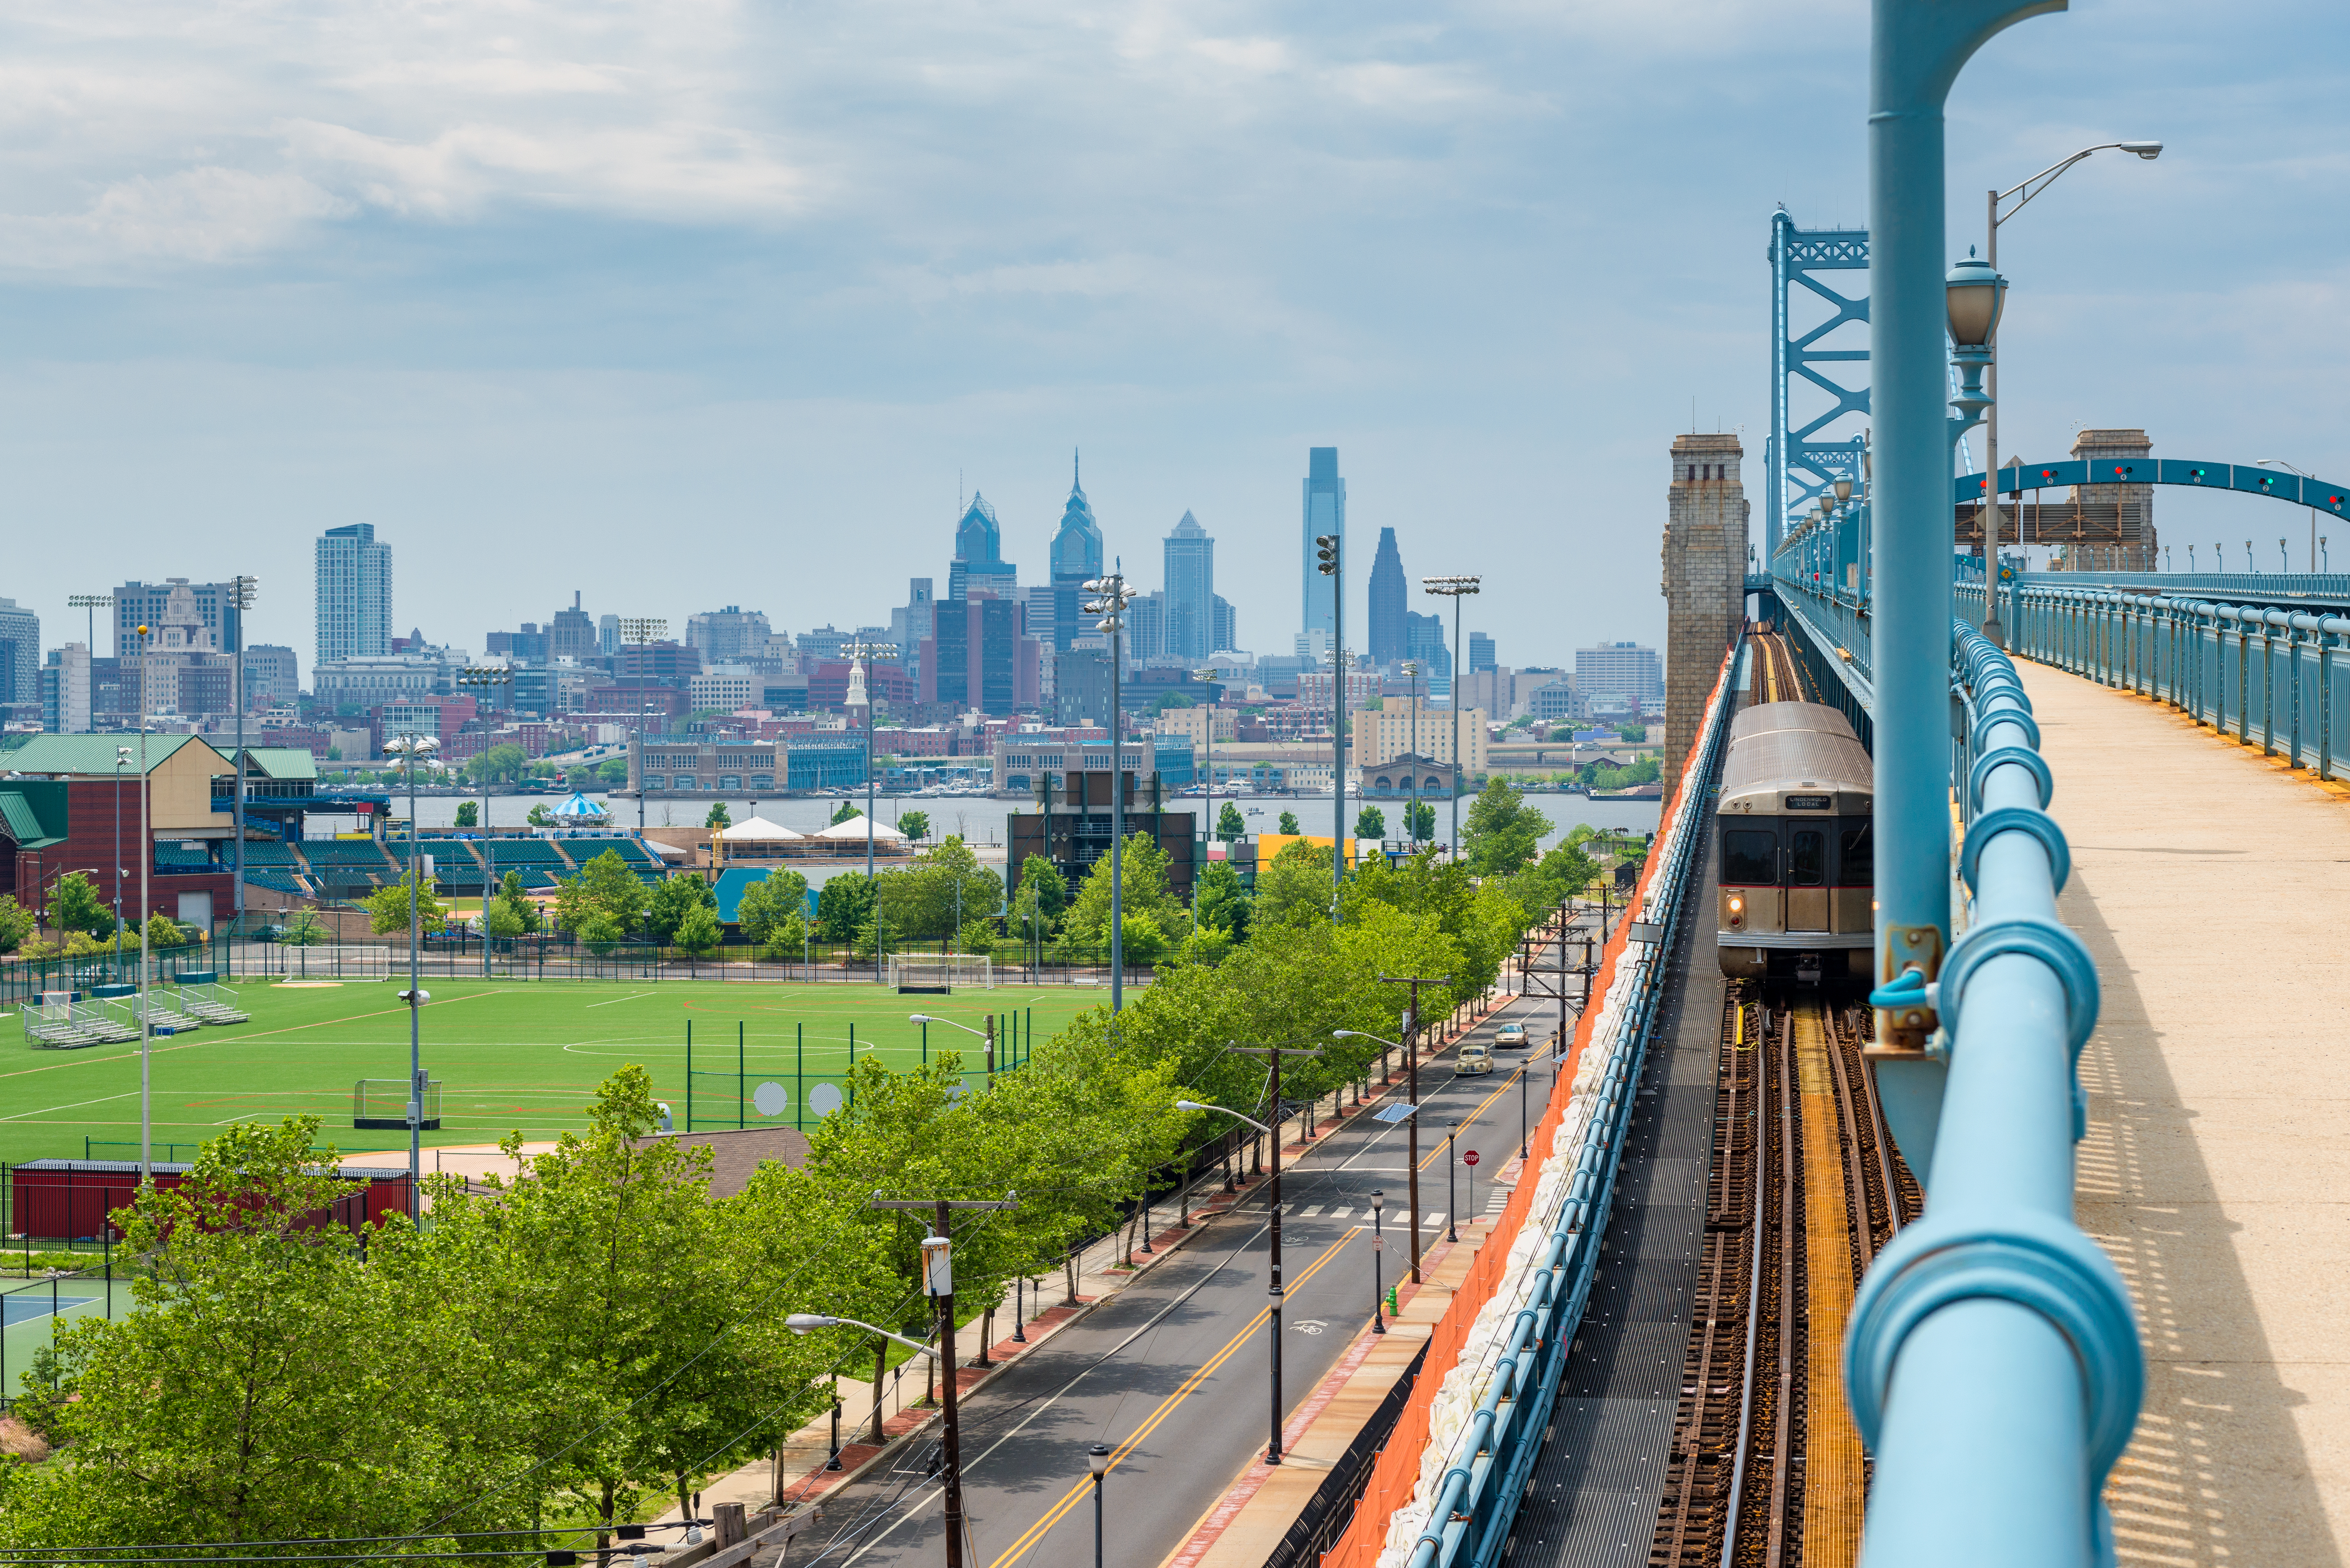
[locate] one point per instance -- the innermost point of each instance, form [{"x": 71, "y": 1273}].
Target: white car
[
  {"x": 1476, "y": 1056},
  {"x": 1508, "y": 1035}
]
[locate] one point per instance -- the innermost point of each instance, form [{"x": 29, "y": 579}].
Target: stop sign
[{"x": 1468, "y": 1158}]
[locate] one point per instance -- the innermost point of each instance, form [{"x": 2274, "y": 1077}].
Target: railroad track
[
  {"x": 1778, "y": 677},
  {"x": 1805, "y": 1189}
]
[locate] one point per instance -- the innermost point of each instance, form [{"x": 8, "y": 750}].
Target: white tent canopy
[
  {"x": 758, "y": 829},
  {"x": 855, "y": 828}
]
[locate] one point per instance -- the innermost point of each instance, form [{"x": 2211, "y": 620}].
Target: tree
[
  {"x": 1288, "y": 822},
  {"x": 1230, "y": 826},
  {"x": 914, "y": 825},
  {"x": 500, "y": 763},
  {"x": 540, "y": 817},
  {"x": 612, "y": 772},
  {"x": 469, "y": 813},
  {"x": 1044, "y": 891},
  {"x": 387, "y": 907},
  {"x": 699, "y": 932},
  {"x": 945, "y": 888},
  {"x": 845, "y": 904},
  {"x": 501, "y": 922},
  {"x": 672, "y": 901},
  {"x": 1142, "y": 941},
  {"x": 302, "y": 930},
  {"x": 1503, "y": 833},
  {"x": 1636, "y": 733},
  {"x": 717, "y": 817},
  {"x": 162, "y": 932},
  {"x": 1219, "y": 902},
  {"x": 1294, "y": 888},
  {"x": 17, "y": 923},
  {"x": 1143, "y": 891},
  {"x": 770, "y": 904},
  {"x": 76, "y": 906},
  {"x": 847, "y": 812},
  {"x": 1421, "y": 819},
  {"x": 1370, "y": 823},
  {"x": 605, "y": 887}
]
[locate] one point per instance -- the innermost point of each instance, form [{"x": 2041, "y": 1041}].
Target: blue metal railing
[
  {"x": 2273, "y": 672},
  {"x": 1992, "y": 1361}
]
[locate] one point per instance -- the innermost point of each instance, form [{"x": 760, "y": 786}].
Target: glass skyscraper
[
  {"x": 1390, "y": 600},
  {"x": 354, "y": 595},
  {"x": 1190, "y": 564},
  {"x": 1076, "y": 560},
  {"x": 1325, "y": 513},
  {"x": 979, "y": 560}
]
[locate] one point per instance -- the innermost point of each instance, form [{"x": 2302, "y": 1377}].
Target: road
[{"x": 1173, "y": 1371}]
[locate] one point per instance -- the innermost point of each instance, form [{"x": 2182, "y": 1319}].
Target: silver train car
[{"x": 1797, "y": 865}]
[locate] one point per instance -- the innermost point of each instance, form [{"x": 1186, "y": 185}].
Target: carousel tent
[
  {"x": 758, "y": 830},
  {"x": 579, "y": 810}
]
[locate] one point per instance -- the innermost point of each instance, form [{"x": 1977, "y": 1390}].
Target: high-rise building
[
  {"x": 729, "y": 636},
  {"x": 1190, "y": 567},
  {"x": 1481, "y": 652},
  {"x": 1227, "y": 638},
  {"x": 143, "y": 604},
  {"x": 979, "y": 563},
  {"x": 1423, "y": 640},
  {"x": 1390, "y": 602},
  {"x": 1618, "y": 675},
  {"x": 273, "y": 674},
  {"x": 1325, "y": 513},
  {"x": 354, "y": 595},
  {"x": 572, "y": 635},
  {"x": 65, "y": 690},
  {"x": 1076, "y": 560},
  {"x": 979, "y": 656},
  {"x": 914, "y": 620},
  {"x": 1145, "y": 627},
  {"x": 20, "y": 653},
  {"x": 608, "y": 635}
]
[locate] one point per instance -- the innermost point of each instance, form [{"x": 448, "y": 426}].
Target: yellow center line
[
  {"x": 1037, "y": 1531},
  {"x": 1432, "y": 1155}
]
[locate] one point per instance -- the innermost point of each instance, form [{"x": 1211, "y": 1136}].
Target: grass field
[{"x": 509, "y": 1056}]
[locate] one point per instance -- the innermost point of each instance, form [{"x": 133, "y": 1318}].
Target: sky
[{"x": 705, "y": 304}]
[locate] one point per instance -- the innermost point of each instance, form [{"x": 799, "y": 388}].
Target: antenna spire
[{"x": 1076, "y": 471}]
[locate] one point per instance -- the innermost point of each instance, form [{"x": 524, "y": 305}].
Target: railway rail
[{"x": 1805, "y": 1188}]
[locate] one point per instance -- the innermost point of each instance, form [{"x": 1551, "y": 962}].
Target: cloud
[{"x": 203, "y": 214}]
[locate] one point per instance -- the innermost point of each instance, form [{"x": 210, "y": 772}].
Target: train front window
[
  {"x": 1749, "y": 859},
  {"x": 1807, "y": 858},
  {"x": 1856, "y": 865}
]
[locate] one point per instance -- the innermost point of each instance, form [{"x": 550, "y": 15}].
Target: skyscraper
[
  {"x": 1390, "y": 599},
  {"x": 354, "y": 593},
  {"x": 1076, "y": 560},
  {"x": 142, "y": 604},
  {"x": 1480, "y": 651},
  {"x": 979, "y": 560},
  {"x": 20, "y": 653},
  {"x": 1190, "y": 565},
  {"x": 1423, "y": 640},
  {"x": 1325, "y": 513}
]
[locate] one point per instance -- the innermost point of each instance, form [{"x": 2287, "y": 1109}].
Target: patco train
[{"x": 1796, "y": 868}]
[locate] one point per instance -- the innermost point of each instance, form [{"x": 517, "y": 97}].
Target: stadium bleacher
[
  {"x": 180, "y": 858},
  {"x": 344, "y": 862},
  {"x": 275, "y": 855},
  {"x": 279, "y": 882}
]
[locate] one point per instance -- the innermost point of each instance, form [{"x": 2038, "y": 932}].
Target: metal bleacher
[{"x": 639, "y": 859}]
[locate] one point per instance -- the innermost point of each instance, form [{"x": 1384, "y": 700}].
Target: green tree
[
  {"x": 1043, "y": 889},
  {"x": 1219, "y": 902},
  {"x": 1370, "y": 823},
  {"x": 699, "y": 932},
  {"x": 844, "y": 904},
  {"x": 302, "y": 929},
  {"x": 387, "y": 907},
  {"x": 469, "y": 813},
  {"x": 1229, "y": 826},
  {"x": 540, "y": 817},
  {"x": 1142, "y": 941},
  {"x": 501, "y": 922},
  {"x": 1288, "y": 822},
  {"x": 1636, "y": 733},
  {"x": 75, "y": 906},
  {"x": 1143, "y": 891},
  {"x": 500, "y": 763},
  {"x": 1294, "y": 887},
  {"x": 945, "y": 888},
  {"x": 1502, "y": 832},
  {"x": 16, "y": 924},
  {"x": 605, "y": 887},
  {"x": 768, "y": 905},
  {"x": 672, "y": 900},
  {"x": 717, "y": 817},
  {"x": 612, "y": 772},
  {"x": 847, "y": 811},
  {"x": 162, "y": 933},
  {"x": 914, "y": 825},
  {"x": 1421, "y": 818}
]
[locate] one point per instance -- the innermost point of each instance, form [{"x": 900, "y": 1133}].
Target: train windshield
[
  {"x": 1807, "y": 858},
  {"x": 1750, "y": 859},
  {"x": 1858, "y": 863}
]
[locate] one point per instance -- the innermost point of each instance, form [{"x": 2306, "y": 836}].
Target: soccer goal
[
  {"x": 936, "y": 973},
  {"x": 382, "y": 1103}
]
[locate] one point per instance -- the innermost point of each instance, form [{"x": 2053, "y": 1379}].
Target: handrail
[{"x": 1993, "y": 1359}]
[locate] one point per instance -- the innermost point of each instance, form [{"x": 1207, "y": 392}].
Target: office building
[
  {"x": 1390, "y": 596},
  {"x": 1226, "y": 627},
  {"x": 143, "y": 604},
  {"x": 20, "y": 653},
  {"x": 979, "y": 563},
  {"x": 608, "y": 635},
  {"x": 729, "y": 636},
  {"x": 1081, "y": 687},
  {"x": 273, "y": 674},
  {"x": 1618, "y": 676},
  {"x": 913, "y": 620},
  {"x": 1325, "y": 513},
  {"x": 1423, "y": 641},
  {"x": 1189, "y": 557},
  {"x": 1076, "y": 559},
  {"x": 572, "y": 635},
  {"x": 354, "y": 603},
  {"x": 979, "y": 657},
  {"x": 65, "y": 691},
  {"x": 1397, "y": 728},
  {"x": 1481, "y": 652}
]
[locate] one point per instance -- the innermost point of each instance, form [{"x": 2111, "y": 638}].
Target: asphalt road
[{"x": 1173, "y": 1372}]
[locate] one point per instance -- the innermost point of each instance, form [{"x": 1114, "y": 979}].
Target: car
[
  {"x": 1509, "y": 1034},
  {"x": 1476, "y": 1056}
]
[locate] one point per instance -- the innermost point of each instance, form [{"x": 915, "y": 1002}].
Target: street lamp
[
  {"x": 1451, "y": 1207},
  {"x": 121, "y": 760},
  {"x": 1209, "y": 674},
  {"x": 1411, "y": 812},
  {"x": 2022, "y": 194},
  {"x": 805, "y": 1323},
  {"x": 489, "y": 677},
  {"x": 146, "y": 913},
  {"x": 1272, "y": 1140},
  {"x": 1111, "y": 595},
  {"x": 1378, "y": 1246},
  {"x": 2289, "y": 468},
  {"x": 987, "y": 1034},
  {"x": 240, "y": 598},
  {"x": 640, "y": 632},
  {"x": 412, "y": 749},
  {"x": 1455, "y": 589},
  {"x": 1411, "y": 1120},
  {"x": 1097, "y": 1459},
  {"x": 1330, "y": 552}
]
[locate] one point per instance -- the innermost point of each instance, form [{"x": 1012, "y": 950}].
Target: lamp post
[
  {"x": 1455, "y": 589},
  {"x": 1097, "y": 1459},
  {"x": 1272, "y": 1140},
  {"x": 1330, "y": 552},
  {"x": 146, "y": 992},
  {"x": 121, "y": 760},
  {"x": 411, "y": 748},
  {"x": 1451, "y": 1207},
  {"x": 1111, "y": 595},
  {"x": 2020, "y": 194},
  {"x": 860, "y": 695},
  {"x": 1412, "y": 1118},
  {"x": 1209, "y": 674},
  {"x": 92, "y": 604},
  {"x": 2289, "y": 468},
  {"x": 1378, "y": 1246},
  {"x": 488, "y": 677},
  {"x": 640, "y": 632},
  {"x": 240, "y": 598},
  {"x": 1411, "y": 812}
]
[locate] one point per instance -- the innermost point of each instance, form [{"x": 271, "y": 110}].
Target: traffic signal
[{"x": 1326, "y": 548}]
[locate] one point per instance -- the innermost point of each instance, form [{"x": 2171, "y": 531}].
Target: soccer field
[{"x": 508, "y": 1056}]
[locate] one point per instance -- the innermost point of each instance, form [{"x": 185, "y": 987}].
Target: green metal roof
[
  {"x": 93, "y": 756},
  {"x": 282, "y": 762},
  {"x": 33, "y": 814}
]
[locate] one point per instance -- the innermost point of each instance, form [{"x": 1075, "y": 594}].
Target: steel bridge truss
[{"x": 1801, "y": 469}]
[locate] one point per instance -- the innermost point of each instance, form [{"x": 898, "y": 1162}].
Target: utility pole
[
  {"x": 1412, "y": 1125},
  {"x": 1331, "y": 550},
  {"x": 1272, "y": 1055},
  {"x": 1111, "y": 595},
  {"x": 938, "y": 1281}
]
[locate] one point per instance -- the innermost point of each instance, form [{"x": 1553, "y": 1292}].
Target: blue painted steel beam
[
  {"x": 1799, "y": 468},
  {"x": 2324, "y": 494}
]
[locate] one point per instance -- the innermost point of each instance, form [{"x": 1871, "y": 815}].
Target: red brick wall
[{"x": 90, "y": 846}]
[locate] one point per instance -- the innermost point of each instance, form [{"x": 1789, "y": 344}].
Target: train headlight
[{"x": 1737, "y": 910}]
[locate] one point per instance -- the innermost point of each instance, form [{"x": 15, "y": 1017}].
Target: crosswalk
[{"x": 1323, "y": 1211}]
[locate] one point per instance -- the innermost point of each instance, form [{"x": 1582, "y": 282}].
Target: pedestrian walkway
[{"x": 2210, "y": 887}]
